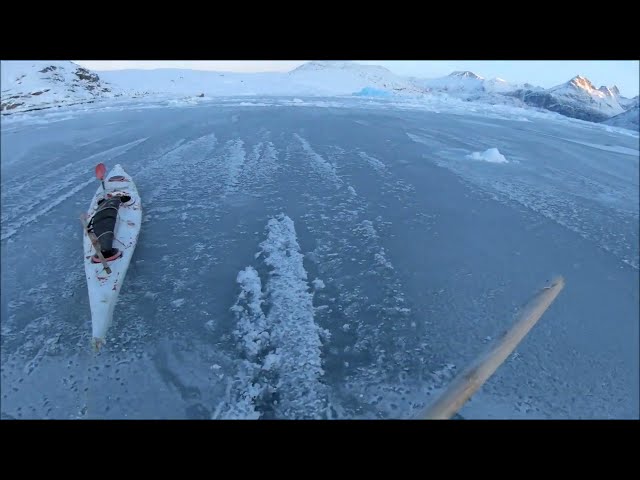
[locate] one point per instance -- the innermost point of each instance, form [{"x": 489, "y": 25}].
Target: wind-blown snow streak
[
  {"x": 235, "y": 157},
  {"x": 281, "y": 350},
  {"x": 592, "y": 206},
  {"x": 417, "y": 138},
  {"x": 69, "y": 171},
  {"x": 363, "y": 304},
  {"x": 376, "y": 164},
  {"x": 181, "y": 154},
  {"x": 259, "y": 167},
  {"x": 186, "y": 161},
  {"x": 252, "y": 325},
  {"x": 598, "y": 225},
  {"x": 319, "y": 164},
  {"x": 291, "y": 318},
  {"x": 13, "y": 228},
  {"x": 218, "y": 169},
  {"x": 367, "y": 230},
  {"x": 609, "y": 148},
  {"x": 248, "y": 390},
  {"x": 61, "y": 184}
]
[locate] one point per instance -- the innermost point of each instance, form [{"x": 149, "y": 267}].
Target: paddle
[
  {"x": 463, "y": 386},
  {"x": 101, "y": 171}
]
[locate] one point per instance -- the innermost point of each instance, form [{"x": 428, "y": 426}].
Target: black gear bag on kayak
[{"x": 103, "y": 224}]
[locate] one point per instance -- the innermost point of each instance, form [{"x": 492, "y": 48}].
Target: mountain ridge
[{"x": 33, "y": 85}]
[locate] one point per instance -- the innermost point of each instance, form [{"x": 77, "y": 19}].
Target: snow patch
[
  {"x": 254, "y": 104},
  {"x": 235, "y": 158},
  {"x": 291, "y": 317},
  {"x": 324, "y": 168},
  {"x": 252, "y": 327},
  {"x": 374, "y": 163},
  {"x": 260, "y": 167},
  {"x": 283, "y": 347},
  {"x": 609, "y": 148},
  {"x": 491, "y": 155},
  {"x": 10, "y": 231}
]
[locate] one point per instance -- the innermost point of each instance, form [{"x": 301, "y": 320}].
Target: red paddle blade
[{"x": 101, "y": 171}]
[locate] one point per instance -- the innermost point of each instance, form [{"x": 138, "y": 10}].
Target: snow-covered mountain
[
  {"x": 345, "y": 77},
  {"x": 41, "y": 84},
  {"x": 194, "y": 82},
  {"x": 29, "y": 85},
  {"x": 468, "y": 85},
  {"x": 577, "y": 98},
  {"x": 310, "y": 79},
  {"x": 627, "y": 103},
  {"x": 456, "y": 83},
  {"x": 628, "y": 119}
]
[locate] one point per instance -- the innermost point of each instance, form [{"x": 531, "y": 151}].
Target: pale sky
[{"x": 544, "y": 73}]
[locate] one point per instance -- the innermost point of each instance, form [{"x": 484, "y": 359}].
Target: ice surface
[{"x": 356, "y": 306}]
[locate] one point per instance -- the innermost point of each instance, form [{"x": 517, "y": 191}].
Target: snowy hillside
[
  {"x": 35, "y": 85},
  {"x": 349, "y": 77},
  {"x": 310, "y": 79},
  {"x": 628, "y": 119},
  {"x": 30, "y": 85},
  {"x": 195, "y": 82}
]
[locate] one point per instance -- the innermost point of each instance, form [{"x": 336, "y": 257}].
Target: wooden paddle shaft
[
  {"x": 95, "y": 243},
  {"x": 473, "y": 377}
]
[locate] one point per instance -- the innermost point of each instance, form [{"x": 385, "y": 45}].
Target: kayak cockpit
[
  {"x": 118, "y": 178},
  {"x": 109, "y": 256},
  {"x": 124, "y": 198},
  {"x": 103, "y": 224}
]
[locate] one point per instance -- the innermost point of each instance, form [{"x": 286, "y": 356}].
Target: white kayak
[{"x": 121, "y": 234}]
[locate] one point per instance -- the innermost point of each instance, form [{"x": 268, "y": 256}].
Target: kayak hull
[{"x": 104, "y": 288}]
